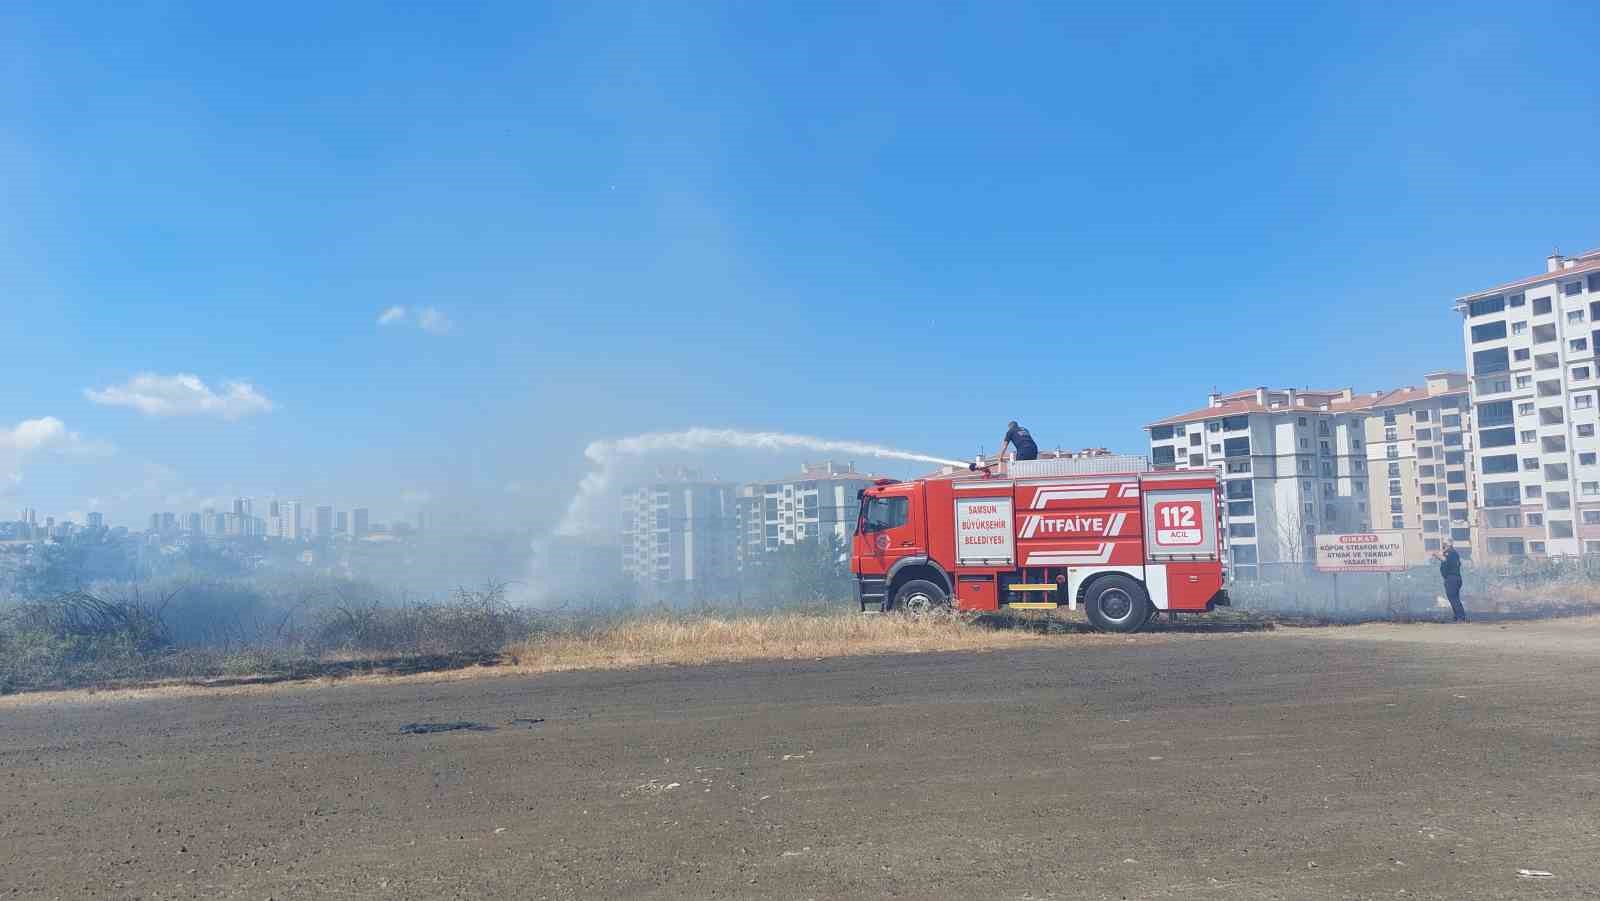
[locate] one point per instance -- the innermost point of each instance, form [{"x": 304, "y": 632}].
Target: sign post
[{"x": 1362, "y": 552}]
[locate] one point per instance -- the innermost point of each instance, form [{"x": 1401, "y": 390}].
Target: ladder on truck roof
[{"x": 1073, "y": 466}]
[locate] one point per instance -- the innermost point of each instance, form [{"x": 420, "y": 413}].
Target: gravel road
[{"x": 1420, "y": 761}]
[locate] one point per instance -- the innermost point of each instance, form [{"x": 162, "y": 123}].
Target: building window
[
  {"x": 1530, "y": 463},
  {"x": 1580, "y": 373},
  {"x": 1524, "y": 408},
  {"x": 1394, "y": 487},
  {"x": 1491, "y": 331},
  {"x": 1560, "y": 528},
  {"x": 1391, "y": 452},
  {"x": 1160, "y": 432},
  {"x": 1302, "y": 422},
  {"x": 1163, "y": 456},
  {"x": 1544, "y": 334},
  {"x": 1532, "y": 491},
  {"x": 1528, "y": 437},
  {"x": 1499, "y": 463},
  {"x": 1535, "y": 519},
  {"x": 1241, "y": 508},
  {"x": 1197, "y": 460},
  {"x": 1574, "y": 315},
  {"x": 1524, "y": 381},
  {"x": 1305, "y": 443},
  {"x": 1519, "y": 328},
  {"x": 1428, "y": 489},
  {"x": 1518, "y": 300},
  {"x": 1399, "y": 522},
  {"x": 1394, "y": 470},
  {"x": 1305, "y": 466},
  {"x": 1424, "y": 434},
  {"x": 1325, "y": 448},
  {"x": 1242, "y": 530},
  {"x": 1591, "y": 517},
  {"x": 1586, "y": 459},
  {"x": 1194, "y": 439},
  {"x": 1498, "y": 437},
  {"x": 1536, "y": 547},
  {"x": 1396, "y": 505},
  {"x": 1583, "y": 402},
  {"x": 1578, "y": 345},
  {"x": 1571, "y": 288},
  {"x": 1586, "y": 430},
  {"x": 1486, "y": 306},
  {"x": 1589, "y": 489},
  {"x": 1426, "y": 472},
  {"x": 1305, "y": 487},
  {"x": 1541, "y": 306}
]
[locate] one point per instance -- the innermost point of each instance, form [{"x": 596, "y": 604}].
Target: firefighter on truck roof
[{"x": 1019, "y": 438}]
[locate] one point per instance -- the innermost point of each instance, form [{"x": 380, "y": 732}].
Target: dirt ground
[{"x": 1414, "y": 761}]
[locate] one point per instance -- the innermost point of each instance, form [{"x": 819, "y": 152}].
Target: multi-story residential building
[
  {"x": 324, "y": 521},
  {"x": 97, "y": 521},
  {"x": 821, "y": 501},
  {"x": 359, "y": 523},
  {"x": 680, "y": 536},
  {"x": 1419, "y": 459},
  {"x": 293, "y": 520},
  {"x": 1293, "y": 465},
  {"x": 1531, "y": 348}
]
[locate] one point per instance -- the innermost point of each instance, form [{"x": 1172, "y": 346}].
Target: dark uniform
[
  {"x": 1450, "y": 570},
  {"x": 1023, "y": 442}
]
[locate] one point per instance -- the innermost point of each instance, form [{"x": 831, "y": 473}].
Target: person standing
[
  {"x": 1450, "y": 570},
  {"x": 1018, "y": 437}
]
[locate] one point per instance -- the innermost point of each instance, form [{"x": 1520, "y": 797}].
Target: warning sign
[
  {"x": 1372, "y": 552},
  {"x": 984, "y": 535}
]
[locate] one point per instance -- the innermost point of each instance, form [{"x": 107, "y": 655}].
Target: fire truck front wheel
[
  {"x": 1117, "y": 603},
  {"x": 919, "y": 597}
]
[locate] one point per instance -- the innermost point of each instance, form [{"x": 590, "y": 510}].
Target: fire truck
[{"x": 1102, "y": 532}]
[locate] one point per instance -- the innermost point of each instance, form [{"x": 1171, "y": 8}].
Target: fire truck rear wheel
[
  {"x": 920, "y": 597},
  {"x": 1117, "y": 603}
]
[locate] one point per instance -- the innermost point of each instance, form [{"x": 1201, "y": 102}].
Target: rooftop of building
[
  {"x": 1314, "y": 400},
  {"x": 1556, "y": 267}
]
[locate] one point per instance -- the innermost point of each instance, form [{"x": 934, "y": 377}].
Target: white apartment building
[
  {"x": 679, "y": 537},
  {"x": 822, "y": 501},
  {"x": 1531, "y": 349},
  {"x": 1293, "y": 465}
]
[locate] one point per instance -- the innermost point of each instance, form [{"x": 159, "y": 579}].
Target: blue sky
[{"x": 903, "y": 224}]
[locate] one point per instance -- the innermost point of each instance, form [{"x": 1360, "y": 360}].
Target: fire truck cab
[{"x": 1045, "y": 534}]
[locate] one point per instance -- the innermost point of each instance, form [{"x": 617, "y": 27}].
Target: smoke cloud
[{"x": 584, "y": 513}]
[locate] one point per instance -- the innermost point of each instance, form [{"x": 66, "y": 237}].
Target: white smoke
[
  {"x": 554, "y": 571},
  {"x": 584, "y": 513}
]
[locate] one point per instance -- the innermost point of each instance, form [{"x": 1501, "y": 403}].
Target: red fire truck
[{"x": 1045, "y": 534}]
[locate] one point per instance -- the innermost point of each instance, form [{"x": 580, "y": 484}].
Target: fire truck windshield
[{"x": 885, "y": 513}]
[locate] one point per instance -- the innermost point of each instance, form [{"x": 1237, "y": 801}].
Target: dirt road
[{"x": 1377, "y": 761}]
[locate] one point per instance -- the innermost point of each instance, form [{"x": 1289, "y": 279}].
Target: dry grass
[{"x": 777, "y": 636}]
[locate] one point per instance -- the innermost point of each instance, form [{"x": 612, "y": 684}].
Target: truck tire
[
  {"x": 919, "y": 597},
  {"x": 1117, "y": 603}
]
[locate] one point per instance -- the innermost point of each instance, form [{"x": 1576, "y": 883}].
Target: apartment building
[
  {"x": 821, "y": 501},
  {"x": 1531, "y": 347},
  {"x": 1293, "y": 464},
  {"x": 1419, "y": 456},
  {"x": 679, "y": 537}
]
